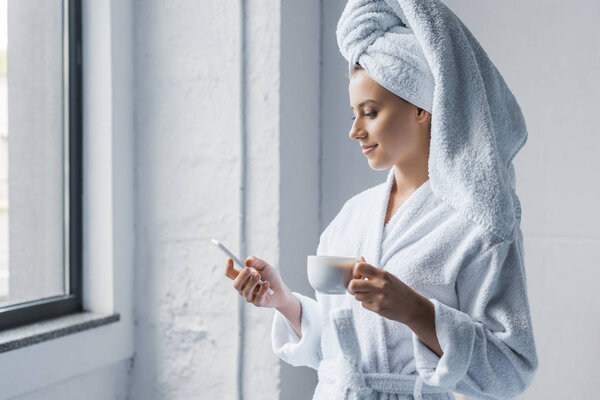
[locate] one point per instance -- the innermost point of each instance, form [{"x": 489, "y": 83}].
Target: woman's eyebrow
[{"x": 365, "y": 102}]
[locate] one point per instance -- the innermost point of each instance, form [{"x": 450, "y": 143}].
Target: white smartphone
[{"x": 235, "y": 259}]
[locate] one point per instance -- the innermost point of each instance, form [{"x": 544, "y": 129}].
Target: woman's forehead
[{"x": 361, "y": 88}]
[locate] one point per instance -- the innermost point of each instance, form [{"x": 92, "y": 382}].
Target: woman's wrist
[
  {"x": 291, "y": 308},
  {"x": 423, "y": 324},
  {"x": 421, "y": 310},
  {"x": 287, "y": 301}
]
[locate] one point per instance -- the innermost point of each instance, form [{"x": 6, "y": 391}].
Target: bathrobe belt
[
  {"x": 352, "y": 384},
  {"x": 345, "y": 371}
]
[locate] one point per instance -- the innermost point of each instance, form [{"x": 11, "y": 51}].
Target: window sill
[
  {"x": 26, "y": 335},
  {"x": 42, "y": 354}
]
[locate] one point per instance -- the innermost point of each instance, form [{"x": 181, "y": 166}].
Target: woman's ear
[{"x": 422, "y": 114}]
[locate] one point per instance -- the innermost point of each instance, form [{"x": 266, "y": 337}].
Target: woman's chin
[{"x": 378, "y": 166}]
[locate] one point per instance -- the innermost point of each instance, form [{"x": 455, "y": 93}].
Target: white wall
[
  {"x": 109, "y": 383},
  {"x": 548, "y": 53},
  {"x": 188, "y": 128},
  {"x": 188, "y": 155},
  {"x": 300, "y": 108}
]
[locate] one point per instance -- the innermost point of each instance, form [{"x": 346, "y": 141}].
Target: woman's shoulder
[
  {"x": 351, "y": 209},
  {"x": 366, "y": 197},
  {"x": 359, "y": 202}
]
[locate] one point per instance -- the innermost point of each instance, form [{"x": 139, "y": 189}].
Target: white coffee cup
[{"x": 330, "y": 274}]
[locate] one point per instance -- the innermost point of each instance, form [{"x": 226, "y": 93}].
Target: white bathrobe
[{"x": 475, "y": 280}]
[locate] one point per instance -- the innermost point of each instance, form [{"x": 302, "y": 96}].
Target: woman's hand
[
  {"x": 383, "y": 293},
  {"x": 246, "y": 283}
]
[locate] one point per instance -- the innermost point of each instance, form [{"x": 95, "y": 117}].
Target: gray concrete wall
[
  {"x": 188, "y": 154},
  {"x": 187, "y": 171},
  {"x": 299, "y": 132}
]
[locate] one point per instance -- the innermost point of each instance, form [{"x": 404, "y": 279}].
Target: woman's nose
[{"x": 354, "y": 129}]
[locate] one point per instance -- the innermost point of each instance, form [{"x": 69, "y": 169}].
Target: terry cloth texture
[{"x": 475, "y": 281}]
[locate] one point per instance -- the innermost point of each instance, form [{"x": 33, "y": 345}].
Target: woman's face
[{"x": 399, "y": 129}]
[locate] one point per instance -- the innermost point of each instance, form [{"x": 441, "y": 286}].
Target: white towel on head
[
  {"x": 376, "y": 38},
  {"x": 477, "y": 125}
]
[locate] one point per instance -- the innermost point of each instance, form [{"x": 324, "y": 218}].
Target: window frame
[{"x": 51, "y": 307}]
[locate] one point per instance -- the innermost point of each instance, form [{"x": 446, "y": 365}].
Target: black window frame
[{"x": 15, "y": 315}]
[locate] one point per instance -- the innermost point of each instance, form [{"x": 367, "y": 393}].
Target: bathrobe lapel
[{"x": 372, "y": 340}]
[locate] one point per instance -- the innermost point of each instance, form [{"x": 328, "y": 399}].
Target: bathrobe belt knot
[
  {"x": 353, "y": 385},
  {"x": 346, "y": 372}
]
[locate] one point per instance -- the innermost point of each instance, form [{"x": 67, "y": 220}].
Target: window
[{"x": 40, "y": 160}]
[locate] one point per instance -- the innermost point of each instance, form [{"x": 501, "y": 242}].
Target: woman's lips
[{"x": 368, "y": 150}]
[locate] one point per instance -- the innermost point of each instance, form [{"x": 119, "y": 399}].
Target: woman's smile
[{"x": 368, "y": 150}]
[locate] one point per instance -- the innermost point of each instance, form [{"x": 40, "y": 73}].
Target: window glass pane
[{"x": 31, "y": 151}]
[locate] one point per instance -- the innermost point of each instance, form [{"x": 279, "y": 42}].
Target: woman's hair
[{"x": 355, "y": 67}]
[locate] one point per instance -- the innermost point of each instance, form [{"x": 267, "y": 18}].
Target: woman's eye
[{"x": 371, "y": 115}]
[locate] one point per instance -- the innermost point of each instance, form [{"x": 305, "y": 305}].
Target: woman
[{"x": 444, "y": 308}]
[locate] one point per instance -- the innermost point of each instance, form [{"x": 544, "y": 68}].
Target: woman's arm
[
  {"x": 296, "y": 328},
  {"x": 423, "y": 325},
  {"x": 386, "y": 295},
  {"x": 292, "y": 310}
]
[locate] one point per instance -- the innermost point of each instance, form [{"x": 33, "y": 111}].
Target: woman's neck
[{"x": 407, "y": 180}]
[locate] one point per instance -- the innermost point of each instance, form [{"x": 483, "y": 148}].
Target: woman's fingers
[
  {"x": 260, "y": 297},
  {"x": 357, "y": 285},
  {"x": 240, "y": 281},
  {"x": 246, "y": 283},
  {"x": 248, "y": 290},
  {"x": 256, "y": 263},
  {"x": 366, "y": 297},
  {"x": 363, "y": 269},
  {"x": 230, "y": 272}
]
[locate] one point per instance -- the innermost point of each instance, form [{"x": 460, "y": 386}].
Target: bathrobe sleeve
[
  {"x": 305, "y": 351},
  {"x": 488, "y": 344},
  {"x": 286, "y": 344}
]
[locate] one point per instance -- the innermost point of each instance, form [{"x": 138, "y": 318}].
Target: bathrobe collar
[{"x": 373, "y": 240}]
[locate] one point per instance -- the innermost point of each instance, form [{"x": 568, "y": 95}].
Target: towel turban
[
  {"x": 375, "y": 37},
  {"x": 421, "y": 51}
]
